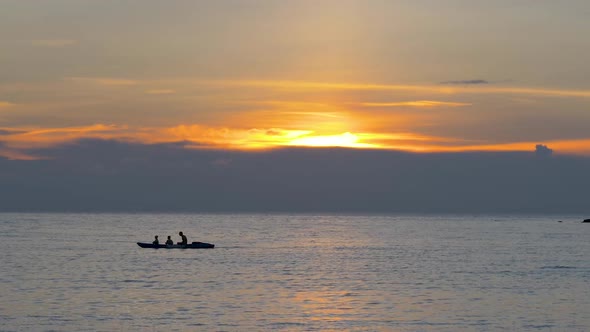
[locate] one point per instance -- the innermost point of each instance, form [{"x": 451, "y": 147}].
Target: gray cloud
[
  {"x": 466, "y": 82},
  {"x": 6, "y": 131},
  {"x": 53, "y": 42},
  {"x": 113, "y": 176},
  {"x": 543, "y": 151}
]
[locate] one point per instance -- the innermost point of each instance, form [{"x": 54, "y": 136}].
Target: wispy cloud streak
[
  {"x": 286, "y": 85},
  {"x": 160, "y": 92},
  {"x": 53, "y": 42},
  {"x": 5, "y": 104},
  {"x": 417, "y": 103},
  {"x": 466, "y": 82},
  {"x": 435, "y": 89},
  {"x": 108, "y": 81}
]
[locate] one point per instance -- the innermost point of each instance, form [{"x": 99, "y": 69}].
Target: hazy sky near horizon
[{"x": 423, "y": 75}]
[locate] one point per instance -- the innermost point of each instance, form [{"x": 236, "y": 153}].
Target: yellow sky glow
[
  {"x": 441, "y": 89},
  {"x": 5, "y": 104},
  {"x": 357, "y": 74},
  {"x": 417, "y": 103},
  {"x": 259, "y": 114},
  {"x": 16, "y": 141}
]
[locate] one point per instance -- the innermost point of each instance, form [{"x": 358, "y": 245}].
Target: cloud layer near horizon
[
  {"x": 24, "y": 143},
  {"x": 97, "y": 175}
]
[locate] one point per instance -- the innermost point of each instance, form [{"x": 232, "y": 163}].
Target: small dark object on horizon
[
  {"x": 586, "y": 220},
  {"x": 559, "y": 221}
]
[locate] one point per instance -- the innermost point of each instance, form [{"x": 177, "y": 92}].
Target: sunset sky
[{"x": 420, "y": 76}]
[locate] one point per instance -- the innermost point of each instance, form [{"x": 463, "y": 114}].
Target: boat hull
[{"x": 194, "y": 245}]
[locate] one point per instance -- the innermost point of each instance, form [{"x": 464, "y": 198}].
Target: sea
[{"x": 295, "y": 272}]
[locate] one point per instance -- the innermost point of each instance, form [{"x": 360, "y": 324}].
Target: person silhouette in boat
[
  {"x": 184, "y": 241},
  {"x": 156, "y": 241},
  {"x": 169, "y": 242}
]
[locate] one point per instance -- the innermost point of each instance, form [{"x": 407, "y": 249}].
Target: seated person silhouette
[
  {"x": 184, "y": 241},
  {"x": 169, "y": 242}
]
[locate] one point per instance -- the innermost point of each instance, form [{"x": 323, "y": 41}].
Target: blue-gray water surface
[{"x": 279, "y": 272}]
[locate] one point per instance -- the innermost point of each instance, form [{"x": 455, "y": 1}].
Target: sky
[{"x": 424, "y": 77}]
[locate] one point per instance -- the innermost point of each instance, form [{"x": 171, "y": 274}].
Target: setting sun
[{"x": 343, "y": 140}]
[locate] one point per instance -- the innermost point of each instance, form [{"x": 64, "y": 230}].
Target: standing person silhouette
[{"x": 184, "y": 241}]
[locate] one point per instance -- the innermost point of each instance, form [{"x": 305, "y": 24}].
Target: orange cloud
[
  {"x": 107, "y": 81},
  {"x": 304, "y": 86},
  {"x": 235, "y": 138},
  {"x": 571, "y": 147},
  {"x": 5, "y": 104},
  {"x": 160, "y": 92},
  {"x": 15, "y": 142},
  {"x": 53, "y": 42},
  {"x": 417, "y": 103},
  {"x": 28, "y": 138},
  {"x": 436, "y": 89},
  {"x": 575, "y": 147}
]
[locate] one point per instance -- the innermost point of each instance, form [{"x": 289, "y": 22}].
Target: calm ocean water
[{"x": 84, "y": 272}]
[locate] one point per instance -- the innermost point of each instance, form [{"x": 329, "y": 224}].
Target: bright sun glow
[{"x": 343, "y": 140}]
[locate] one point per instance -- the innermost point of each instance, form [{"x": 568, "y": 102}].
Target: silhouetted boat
[
  {"x": 586, "y": 220},
  {"x": 194, "y": 245}
]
